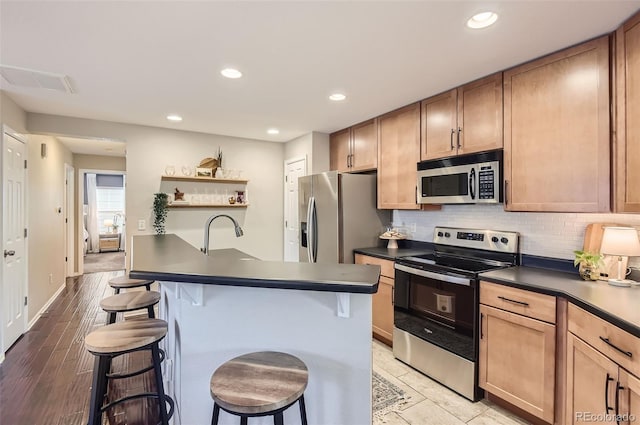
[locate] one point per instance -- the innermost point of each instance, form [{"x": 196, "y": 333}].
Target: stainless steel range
[{"x": 436, "y": 303}]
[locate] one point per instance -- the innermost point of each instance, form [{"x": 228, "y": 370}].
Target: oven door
[
  {"x": 448, "y": 185},
  {"x": 438, "y": 308}
]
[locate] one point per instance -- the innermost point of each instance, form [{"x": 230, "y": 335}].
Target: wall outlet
[
  {"x": 412, "y": 227},
  {"x": 142, "y": 225},
  {"x": 50, "y": 278}
]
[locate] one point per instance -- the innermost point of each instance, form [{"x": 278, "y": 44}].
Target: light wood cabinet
[
  {"x": 463, "y": 120},
  {"x": 382, "y": 301},
  {"x": 398, "y": 155},
  {"x": 627, "y": 136},
  {"x": 601, "y": 361},
  {"x": 557, "y": 131},
  {"x": 517, "y": 353},
  {"x": 355, "y": 148}
]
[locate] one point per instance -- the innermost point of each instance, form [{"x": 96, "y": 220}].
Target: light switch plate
[{"x": 142, "y": 225}]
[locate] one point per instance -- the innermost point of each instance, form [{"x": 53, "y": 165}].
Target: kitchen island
[{"x": 229, "y": 303}]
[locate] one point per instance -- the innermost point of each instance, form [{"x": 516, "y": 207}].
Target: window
[{"x": 110, "y": 202}]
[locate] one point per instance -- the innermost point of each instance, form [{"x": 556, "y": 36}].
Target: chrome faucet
[{"x": 238, "y": 229}]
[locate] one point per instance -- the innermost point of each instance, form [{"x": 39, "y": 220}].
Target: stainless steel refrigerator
[{"x": 337, "y": 215}]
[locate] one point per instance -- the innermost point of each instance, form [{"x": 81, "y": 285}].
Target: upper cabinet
[
  {"x": 398, "y": 154},
  {"x": 627, "y": 136},
  {"x": 463, "y": 120},
  {"x": 557, "y": 131},
  {"x": 355, "y": 148}
]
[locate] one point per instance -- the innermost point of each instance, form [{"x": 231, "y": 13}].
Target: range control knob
[
  {"x": 447, "y": 234},
  {"x": 494, "y": 239},
  {"x": 504, "y": 240},
  {"x": 440, "y": 234}
]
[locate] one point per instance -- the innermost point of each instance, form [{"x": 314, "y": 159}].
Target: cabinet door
[
  {"x": 382, "y": 303},
  {"x": 591, "y": 383},
  {"x": 629, "y": 397},
  {"x": 627, "y": 142},
  {"x": 480, "y": 115},
  {"x": 439, "y": 135},
  {"x": 517, "y": 360},
  {"x": 556, "y": 131},
  {"x": 339, "y": 151},
  {"x": 398, "y": 155},
  {"x": 364, "y": 146}
]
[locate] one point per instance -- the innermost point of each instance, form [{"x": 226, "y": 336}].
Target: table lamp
[
  {"x": 108, "y": 223},
  {"x": 620, "y": 241}
]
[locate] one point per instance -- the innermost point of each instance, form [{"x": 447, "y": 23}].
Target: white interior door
[
  {"x": 14, "y": 270},
  {"x": 294, "y": 168},
  {"x": 69, "y": 220}
]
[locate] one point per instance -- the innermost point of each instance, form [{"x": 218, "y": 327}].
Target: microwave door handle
[{"x": 472, "y": 183}]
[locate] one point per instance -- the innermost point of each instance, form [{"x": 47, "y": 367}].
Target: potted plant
[
  {"x": 589, "y": 264},
  {"x": 160, "y": 209}
]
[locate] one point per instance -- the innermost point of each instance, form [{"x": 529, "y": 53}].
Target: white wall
[
  {"x": 554, "y": 235},
  {"x": 314, "y": 146},
  {"x": 150, "y": 150}
]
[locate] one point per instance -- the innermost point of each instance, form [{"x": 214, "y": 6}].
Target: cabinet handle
[
  {"x": 458, "y": 142},
  {"x": 451, "y": 141},
  {"x": 481, "y": 320},
  {"x": 606, "y": 393},
  {"x": 506, "y": 192},
  {"x": 348, "y": 161},
  {"x": 626, "y": 353},
  {"x": 9, "y": 253},
  {"x": 617, "y": 401},
  {"x": 513, "y": 301},
  {"x": 393, "y": 296},
  {"x": 351, "y": 160}
]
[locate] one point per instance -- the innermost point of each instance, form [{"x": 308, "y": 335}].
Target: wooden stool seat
[
  {"x": 259, "y": 383},
  {"x": 124, "y": 282},
  {"x": 129, "y": 301},
  {"x": 125, "y": 336}
]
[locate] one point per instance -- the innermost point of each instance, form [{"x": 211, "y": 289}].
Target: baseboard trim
[
  {"x": 1, "y": 358},
  {"x": 45, "y": 307}
]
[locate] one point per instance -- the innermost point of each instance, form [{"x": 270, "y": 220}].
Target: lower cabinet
[
  {"x": 517, "y": 350},
  {"x": 599, "y": 388},
  {"x": 382, "y": 301}
]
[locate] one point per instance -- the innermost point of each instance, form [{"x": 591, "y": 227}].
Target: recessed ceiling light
[
  {"x": 482, "y": 20},
  {"x": 231, "y": 73},
  {"x": 174, "y": 118},
  {"x": 337, "y": 97},
  {"x": 273, "y": 131}
]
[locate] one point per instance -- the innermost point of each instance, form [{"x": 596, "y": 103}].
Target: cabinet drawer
[
  {"x": 527, "y": 303},
  {"x": 620, "y": 346},
  {"x": 386, "y": 266},
  {"x": 108, "y": 244}
]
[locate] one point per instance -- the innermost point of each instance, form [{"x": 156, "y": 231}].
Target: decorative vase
[{"x": 588, "y": 271}]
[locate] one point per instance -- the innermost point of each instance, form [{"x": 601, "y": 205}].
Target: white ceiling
[{"x": 136, "y": 62}]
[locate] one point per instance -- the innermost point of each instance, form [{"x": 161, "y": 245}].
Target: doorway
[
  {"x": 101, "y": 201},
  {"x": 14, "y": 233},
  {"x": 293, "y": 168}
]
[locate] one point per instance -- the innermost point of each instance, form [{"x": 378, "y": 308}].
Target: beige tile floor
[{"x": 429, "y": 403}]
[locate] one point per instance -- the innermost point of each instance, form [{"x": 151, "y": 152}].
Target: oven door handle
[{"x": 435, "y": 276}]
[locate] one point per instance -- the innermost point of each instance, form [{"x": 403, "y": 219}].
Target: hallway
[{"x": 46, "y": 376}]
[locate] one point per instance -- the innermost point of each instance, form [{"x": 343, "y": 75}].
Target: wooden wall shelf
[
  {"x": 203, "y": 179},
  {"x": 209, "y": 206}
]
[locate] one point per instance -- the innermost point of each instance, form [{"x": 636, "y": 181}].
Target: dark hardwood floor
[{"x": 46, "y": 376}]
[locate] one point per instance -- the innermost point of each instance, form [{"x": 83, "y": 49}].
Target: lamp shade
[
  {"x": 621, "y": 241},
  {"x": 108, "y": 223}
]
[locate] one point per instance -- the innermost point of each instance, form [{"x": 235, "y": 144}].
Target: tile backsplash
[{"x": 554, "y": 235}]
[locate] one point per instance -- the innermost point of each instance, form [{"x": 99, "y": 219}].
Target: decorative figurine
[{"x": 179, "y": 196}]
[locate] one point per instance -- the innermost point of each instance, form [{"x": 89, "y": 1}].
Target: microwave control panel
[{"x": 486, "y": 182}]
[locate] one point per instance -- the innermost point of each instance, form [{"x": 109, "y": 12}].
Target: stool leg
[
  {"x": 303, "y": 410},
  {"x": 159, "y": 386},
  {"x": 111, "y": 317},
  {"x": 148, "y": 287},
  {"x": 152, "y": 313},
  {"x": 117, "y": 290},
  {"x": 101, "y": 367},
  {"x": 278, "y": 419},
  {"x": 243, "y": 420},
  {"x": 216, "y": 414}
]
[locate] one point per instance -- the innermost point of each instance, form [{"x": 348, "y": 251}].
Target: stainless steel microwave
[{"x": 464, "y": 179}]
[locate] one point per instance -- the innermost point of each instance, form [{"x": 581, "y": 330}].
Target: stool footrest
[
  {"x": 167, "y": 399},
  {"x": 137, "y": 372}
]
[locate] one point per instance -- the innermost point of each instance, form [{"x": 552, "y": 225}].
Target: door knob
[{"x": 9, "y": 253}]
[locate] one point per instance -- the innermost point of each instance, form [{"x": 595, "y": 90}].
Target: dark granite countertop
[
  {"x": 170, "y": 258},
  {"x": 391, "y": 254},
  {"x": 619, "y": 306}
]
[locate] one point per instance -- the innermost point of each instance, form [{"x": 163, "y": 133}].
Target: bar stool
[
  {"x": 264, "y": 383},
  {"x": 125, "y": 282},
  {"x": 117, "y": 339},
  {"x": 130, "y": 301}
]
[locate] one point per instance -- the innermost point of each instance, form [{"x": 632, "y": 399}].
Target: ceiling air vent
[{"x": 30, "y": 78}]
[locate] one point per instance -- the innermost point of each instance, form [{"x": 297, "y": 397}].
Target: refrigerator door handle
[
  {"x": 314, "y": 231},
  {"x": 310, "y": 229}
]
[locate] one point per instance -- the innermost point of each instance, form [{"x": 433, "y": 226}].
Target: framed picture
[{"x": 204, "y": 172}]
